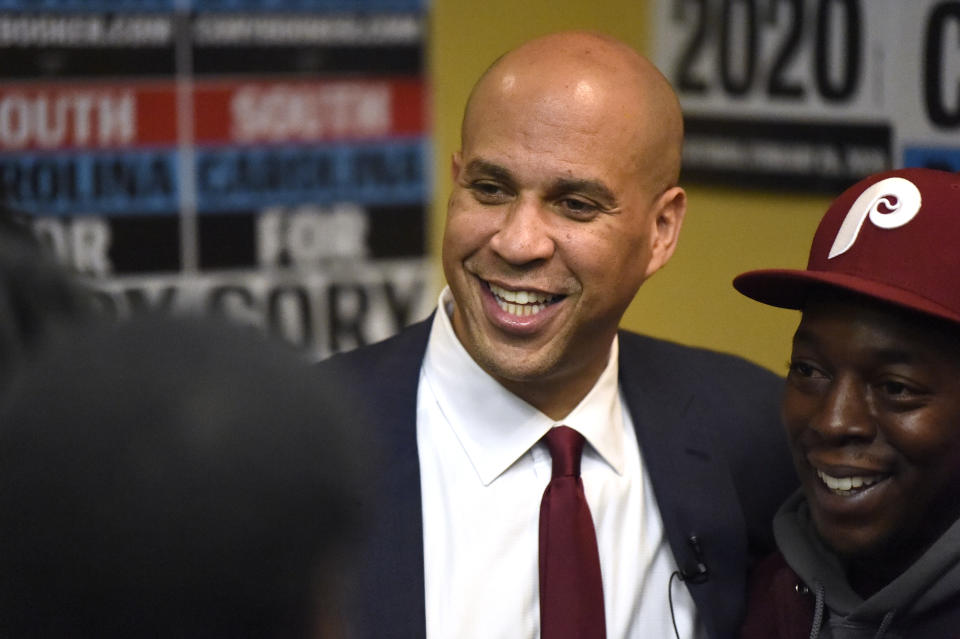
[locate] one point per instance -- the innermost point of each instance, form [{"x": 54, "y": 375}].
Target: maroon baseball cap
[{"x": 893, "y": 236}]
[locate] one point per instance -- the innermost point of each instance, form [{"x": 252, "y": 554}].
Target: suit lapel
[
  {"x": 694, "y": 490},
  {"x": 392, "y": 588}
]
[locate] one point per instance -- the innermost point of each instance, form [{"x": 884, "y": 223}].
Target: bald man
[{"x": 565, "y": 200}]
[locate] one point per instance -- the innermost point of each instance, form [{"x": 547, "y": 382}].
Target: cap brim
[{"x": 786, "y": 288}]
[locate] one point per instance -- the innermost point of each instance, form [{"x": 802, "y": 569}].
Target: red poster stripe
[
  {"x": 39, "y": 116},
  {"x": 268, "y": 112},
  {"x": 86, "y": 116}
]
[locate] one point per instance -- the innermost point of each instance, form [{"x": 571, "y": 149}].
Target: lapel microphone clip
[{"x": 695, "y": 572}]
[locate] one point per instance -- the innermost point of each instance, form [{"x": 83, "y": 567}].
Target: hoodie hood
[{"x": 932, "y": 580}]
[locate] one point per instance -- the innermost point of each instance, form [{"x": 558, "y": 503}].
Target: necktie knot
[{"x": 566, "y": 449}]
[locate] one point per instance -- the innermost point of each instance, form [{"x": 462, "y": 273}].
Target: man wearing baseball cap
[{"x": 870, "y": 545}]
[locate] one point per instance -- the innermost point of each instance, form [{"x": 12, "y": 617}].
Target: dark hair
[{"x": 167, "y": 477}]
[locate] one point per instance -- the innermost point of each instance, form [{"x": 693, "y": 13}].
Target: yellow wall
[{"x": 727, "y": 230}]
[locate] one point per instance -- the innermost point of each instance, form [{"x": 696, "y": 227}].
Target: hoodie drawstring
[{"x": 818, "y": 611}]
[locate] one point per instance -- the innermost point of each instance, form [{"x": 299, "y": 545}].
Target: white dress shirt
[{"x": 483, "y": 473}]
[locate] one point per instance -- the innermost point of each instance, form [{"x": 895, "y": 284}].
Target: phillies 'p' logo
[{"x": 899, "y": 197}]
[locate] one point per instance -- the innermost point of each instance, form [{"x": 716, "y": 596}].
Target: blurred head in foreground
[
  {"x": 173, "y": 478},
  {"x": 35, "y": 293}
]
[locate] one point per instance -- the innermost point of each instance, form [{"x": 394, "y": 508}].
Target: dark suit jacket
[{"x": 710, "y": 436}]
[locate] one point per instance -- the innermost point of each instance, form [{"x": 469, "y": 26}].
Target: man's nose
[
  {"x": 525, "y": 234},
  {"x": 844, "y": 412}
]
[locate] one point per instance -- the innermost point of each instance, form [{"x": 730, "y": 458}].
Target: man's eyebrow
[
  {"x": 591, "y": 188},
  {"x": 489, "y": 169}
]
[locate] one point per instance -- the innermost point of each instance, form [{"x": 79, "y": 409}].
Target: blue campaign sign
[
  {"x": 273, "y": 6},
  {"x": 332, "y": 6},
  {"x": 125, "y": 131},
  {"x": 391, "y": 172},
  {"x": 943, "y": 158},
  {"x": 89, "y": 6},
  {"x": 927, "y": 104},
  {"x": 84, "y": 183}
]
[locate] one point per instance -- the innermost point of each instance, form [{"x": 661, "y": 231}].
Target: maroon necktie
[{"x": 571, "y": 591}]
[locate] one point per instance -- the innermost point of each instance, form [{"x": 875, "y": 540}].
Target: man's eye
[
  {"x": 903, "y": 396},
  {"x": 806, "y": 377},
  {"x": 895, "y": 388},
  {"x": 899, "y": 390},
  {"x": 805, "y": 370},
  {"x": 488, "y": 192},
  {"x": 800, "y": 369},
  {"x": 576, "y": 207}
]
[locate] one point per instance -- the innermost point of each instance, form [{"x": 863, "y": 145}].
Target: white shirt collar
[{"x": 494, "y": 426}]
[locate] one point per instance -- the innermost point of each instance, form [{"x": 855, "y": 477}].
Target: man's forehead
[
  {"x": 561, "y": 77},
  {"x": 892, "y": 332},
  {"x": 537, "y": 110},
  {"x": 574, "y": 77}
]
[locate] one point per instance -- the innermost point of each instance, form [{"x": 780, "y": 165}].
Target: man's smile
[
  {"x": 521, "y": 302},
  {"x": 849, "y": 485}
]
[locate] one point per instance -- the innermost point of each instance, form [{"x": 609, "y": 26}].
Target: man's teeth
[
  {"x": 847, "y": 484},
  {"x": 520, "y": 302}
]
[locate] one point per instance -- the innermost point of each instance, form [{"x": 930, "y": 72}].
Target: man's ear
[
  {"x": 455, "y": 162},
  {"x": 668, "y": 211}
]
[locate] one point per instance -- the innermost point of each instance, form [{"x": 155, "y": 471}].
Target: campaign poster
[
  {"x": 812, "y": 95},
  {"x": 263, "y": 159},
  {"x": 927, "y": 108}
]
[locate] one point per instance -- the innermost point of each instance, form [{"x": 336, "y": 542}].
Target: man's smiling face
[
  {"x": 551, "y": 228},
  {"x": 872, "y": 410}
]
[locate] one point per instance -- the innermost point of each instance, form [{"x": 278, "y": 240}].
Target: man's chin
[{"x": 515, "y": 366}]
